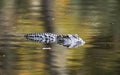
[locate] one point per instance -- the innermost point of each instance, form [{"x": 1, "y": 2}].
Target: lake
[{"x": 97, "y": 22}]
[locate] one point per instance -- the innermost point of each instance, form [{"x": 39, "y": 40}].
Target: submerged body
[
  {"x": 42, "y": 37},
  {"x": 65, "y": 40}
]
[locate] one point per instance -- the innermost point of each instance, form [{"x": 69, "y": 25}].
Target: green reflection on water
[{"x": 97, "y": 22}]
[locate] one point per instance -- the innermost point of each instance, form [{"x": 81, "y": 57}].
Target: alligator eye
[{"x": 75, "y": 36}]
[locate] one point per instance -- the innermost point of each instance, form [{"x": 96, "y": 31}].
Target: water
[{"x": 96, "y": 21}]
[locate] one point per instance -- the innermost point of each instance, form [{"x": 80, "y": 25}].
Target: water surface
[{"x": 96, "y": 21}]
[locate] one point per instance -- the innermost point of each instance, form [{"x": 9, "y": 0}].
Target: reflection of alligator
[{"x": 65, "y": 40}]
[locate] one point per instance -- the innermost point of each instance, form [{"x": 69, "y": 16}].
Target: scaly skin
[{"x": 65, "y": 40}]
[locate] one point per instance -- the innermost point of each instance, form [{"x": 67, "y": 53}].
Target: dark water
[{"x": 96, "y": 21}]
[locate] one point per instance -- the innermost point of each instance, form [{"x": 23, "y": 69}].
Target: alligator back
[{"x": 42, "y": 37}]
